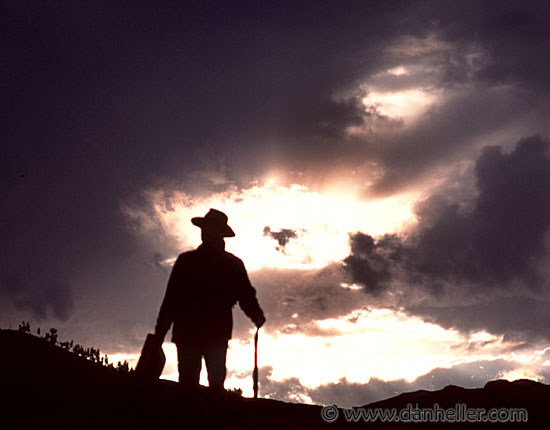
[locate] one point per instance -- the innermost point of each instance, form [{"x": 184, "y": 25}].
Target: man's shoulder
[
  {"x": 232, "y": 258},
  {"x": 187, "y": 255}
]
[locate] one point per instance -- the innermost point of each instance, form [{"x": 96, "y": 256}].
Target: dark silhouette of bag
[{"x": 152, "y": 359}]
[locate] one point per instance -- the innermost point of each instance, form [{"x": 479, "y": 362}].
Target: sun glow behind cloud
[
  {"x": 387, "y": 95},
  {"x": 320, "y": 222},
  {"x": 397, "y": 98},
  {"x": 405, "y": 105},
  {"x": 356, "y": 347}
]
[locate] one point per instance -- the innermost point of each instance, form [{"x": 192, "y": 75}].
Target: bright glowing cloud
[
  {"x": 405, "y": 105},
  {"x": 366, "y": 344},
  {"x": 279, "y": 226},
  {"x": 398, "y": 71},
  {"x": 521, "y": 373},
  {"x": 377, "y": 340}
]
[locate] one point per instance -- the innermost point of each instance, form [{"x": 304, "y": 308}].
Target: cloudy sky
[{"x": 385, "y": 166}]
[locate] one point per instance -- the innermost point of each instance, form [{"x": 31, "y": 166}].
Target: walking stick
[{"x": 255, "y": 373}]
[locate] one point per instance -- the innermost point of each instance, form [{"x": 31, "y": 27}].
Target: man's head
[{"x": 213, "y": 226}]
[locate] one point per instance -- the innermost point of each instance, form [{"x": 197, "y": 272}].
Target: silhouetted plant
[
  {"x": 96, "y": 355},
  {"x": 91, "y": 354},
  {"x": 78, "y": 350},
  {"x": 236, "y": 391},
  {"x": 25, "y": 327},
  {"x": 124, "y": 366},
  {"x": 65, "y": 345},
  {"x": 52, "y": 336}
]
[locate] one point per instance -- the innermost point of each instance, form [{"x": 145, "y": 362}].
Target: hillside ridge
[{"x": 50, "y": 385}]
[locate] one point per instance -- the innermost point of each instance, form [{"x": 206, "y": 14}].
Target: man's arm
[
  {"x": 247, "y": 298},
  {"x": 167, "y": 309}
]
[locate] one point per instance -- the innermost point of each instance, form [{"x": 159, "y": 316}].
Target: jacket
[{"x": 202, "y": 289}]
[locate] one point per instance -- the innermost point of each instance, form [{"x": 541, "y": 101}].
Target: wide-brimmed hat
[{"x": 214, "y": 220}]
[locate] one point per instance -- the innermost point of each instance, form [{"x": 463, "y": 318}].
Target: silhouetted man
[{"x": 203, "y": 287}]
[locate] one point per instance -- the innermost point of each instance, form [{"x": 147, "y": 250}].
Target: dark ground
[{"x": 45, "y": 386}]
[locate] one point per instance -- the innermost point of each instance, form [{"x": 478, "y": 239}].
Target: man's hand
[{"x": 259, "y": 321}]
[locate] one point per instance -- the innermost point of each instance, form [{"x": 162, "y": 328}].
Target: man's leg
[
  {"x": 189, "y": 365},
  {"x": 214, "y": 356}
]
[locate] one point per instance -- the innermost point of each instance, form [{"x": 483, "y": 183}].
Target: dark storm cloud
[
  {"x": 494, "y": 63},
  {"x": 478, "y": 253},
  {"x": 346, "y": 394},
  {"x": 43, "y": 295},
  {"x": 294, "y": 299},
  {"x": 446, "y": 135},
  {"x": 282, "y": 237},
  {"x": 148, "y": 89},
  {"x": 513, "y": 35},
  {"x": 523, "y": 321},
  {"x": 370, "y": 263},
  {"x": 101, "y": 101}
]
